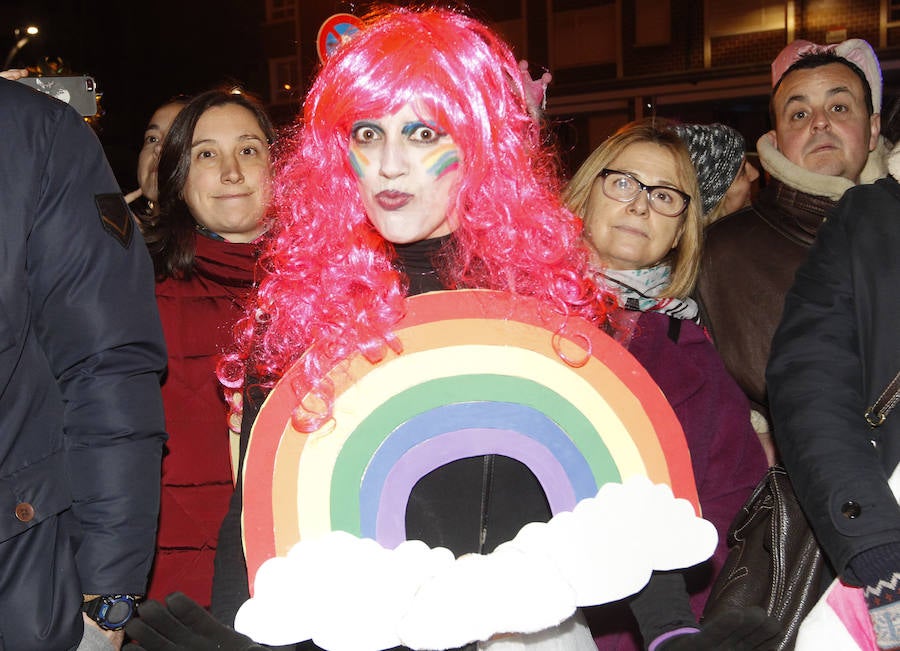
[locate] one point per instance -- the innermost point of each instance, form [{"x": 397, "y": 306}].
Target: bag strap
[
  {"x": 674, "y": 329},
  {"x": 878, "y": 412}
]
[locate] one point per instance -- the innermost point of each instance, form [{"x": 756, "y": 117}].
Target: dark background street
[{"x": 141, "y": 54}]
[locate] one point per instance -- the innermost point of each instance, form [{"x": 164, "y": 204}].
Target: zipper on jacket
[{"x": 487, "y": 478}]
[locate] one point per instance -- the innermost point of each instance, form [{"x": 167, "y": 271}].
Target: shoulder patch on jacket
[{"x": 116, "y": 217}]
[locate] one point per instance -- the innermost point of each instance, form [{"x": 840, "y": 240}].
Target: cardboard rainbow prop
[{"x": 481, "y": 372}]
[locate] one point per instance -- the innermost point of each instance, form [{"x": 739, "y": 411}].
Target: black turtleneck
[
  {"x": 473, "y": 504},
  {"x": 418, "y": 262}
]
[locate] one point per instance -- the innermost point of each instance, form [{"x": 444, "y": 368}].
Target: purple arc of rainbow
[{"x": 449, "y": 432}]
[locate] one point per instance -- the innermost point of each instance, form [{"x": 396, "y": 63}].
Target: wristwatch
[{"x": 111, "y": 611}]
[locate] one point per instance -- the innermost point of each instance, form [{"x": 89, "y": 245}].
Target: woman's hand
[{"x": 14, "y": 74}]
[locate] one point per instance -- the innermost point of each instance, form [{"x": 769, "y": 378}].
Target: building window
[
  {"x": 584, "y": 36},
  {"x": 653, "y": 20},
  {"x": 893, "y": 12},
  {"x": 284, "y": 80},
  {"x": 280, "y": 10},
  {"x": 744, "y": 16}
]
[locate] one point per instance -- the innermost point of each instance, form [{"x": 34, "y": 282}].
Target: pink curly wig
[{"x": 331, "y": 279}]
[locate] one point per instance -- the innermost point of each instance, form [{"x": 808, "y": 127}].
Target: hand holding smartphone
[{"x": 79, "y": 91}]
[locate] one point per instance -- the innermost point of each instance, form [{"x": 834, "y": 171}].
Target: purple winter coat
[{"x": 727, "y": 456}]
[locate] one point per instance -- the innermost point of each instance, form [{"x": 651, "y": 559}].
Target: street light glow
[
  {"x": 23, "y": 36},
  {"x": 27, "y": 31}
]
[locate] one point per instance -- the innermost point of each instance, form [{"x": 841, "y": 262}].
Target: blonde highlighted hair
[{"x": 685, "y": 257}]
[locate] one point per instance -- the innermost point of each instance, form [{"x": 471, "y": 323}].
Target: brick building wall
[
  {"x": 683, "y": 52},
  {"x": 813, "y": 20},
  {"x": 740, "y": 49},
  {"x": 858, "y": 17}
]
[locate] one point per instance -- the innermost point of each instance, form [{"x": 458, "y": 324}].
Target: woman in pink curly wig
[
  {"x": 416, "y": 166},
  {"x": 336, "y": 276}
]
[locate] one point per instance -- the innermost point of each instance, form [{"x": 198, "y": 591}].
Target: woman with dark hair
[
  {"x": 144, "y": 201},
  {"x": 191, "y": 199},
  {"x": 214, "y": 192}
]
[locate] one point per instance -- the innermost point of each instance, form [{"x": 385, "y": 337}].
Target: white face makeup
[
  {"x": 227, "y": 188},
  {"x": 408, "y": 169},
  {"x": 148, "y": 158},
  {"x": 633, "y": 235}
]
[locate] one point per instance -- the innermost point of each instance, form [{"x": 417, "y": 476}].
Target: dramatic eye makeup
[
  {"x": 422, "y": 133},
  {"x": 440, "y": 159},
  {"x": 366, "y": 132}
]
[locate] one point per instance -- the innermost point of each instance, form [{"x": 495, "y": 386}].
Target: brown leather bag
[{"x": 773, "y": 560}]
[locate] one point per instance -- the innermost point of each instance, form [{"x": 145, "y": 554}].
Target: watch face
[
  {"x": 119, "y": 613},
  {"x": 111, "y": 612}
]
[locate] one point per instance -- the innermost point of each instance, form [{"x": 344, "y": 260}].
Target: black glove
[
  {"x": 738, "y": 629},
  {"x": 182, "y": 625}
]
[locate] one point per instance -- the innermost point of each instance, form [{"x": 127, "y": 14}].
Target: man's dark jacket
[
  {"x": 81, "y": 428},
  {"x": 837, "y": 348},
  {"x": 749, "y": 262}
]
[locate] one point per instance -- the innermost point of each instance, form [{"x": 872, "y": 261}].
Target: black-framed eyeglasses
[{"x": 623, "y": 187}]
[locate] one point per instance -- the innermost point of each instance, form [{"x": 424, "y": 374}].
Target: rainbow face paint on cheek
[
  {"x": 358, "y": 161},
  {"x": 442, "y": 160}
]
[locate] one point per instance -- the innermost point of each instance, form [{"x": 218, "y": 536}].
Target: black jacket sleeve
[
  {"x": 81, "y": 354},
  {"x": 94, "y": 313},
  {"x": 836, "y": 347}
]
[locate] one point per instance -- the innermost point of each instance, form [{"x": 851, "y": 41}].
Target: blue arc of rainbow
[{"x": 449, "y": 432}]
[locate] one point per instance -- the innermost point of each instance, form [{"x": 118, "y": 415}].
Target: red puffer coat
[{"x": 197, "y": 316}]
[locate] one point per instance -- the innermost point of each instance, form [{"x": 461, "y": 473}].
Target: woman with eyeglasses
[{"x": 641, "y": 205}]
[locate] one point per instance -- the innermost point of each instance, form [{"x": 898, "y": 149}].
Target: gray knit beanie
[{"x": 717, "y": 152}]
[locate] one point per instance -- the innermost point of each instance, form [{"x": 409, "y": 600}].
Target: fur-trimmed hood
[{"x": 821, "y": 185}]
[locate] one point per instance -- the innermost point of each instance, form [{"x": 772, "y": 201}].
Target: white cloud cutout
[
  {"x": 460, "y": 604},
  {"x": 351, "y": 594}
]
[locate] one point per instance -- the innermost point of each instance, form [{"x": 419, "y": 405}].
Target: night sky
[{"x": 141, "y": 54}]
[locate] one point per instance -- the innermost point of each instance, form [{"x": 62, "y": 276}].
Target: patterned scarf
[{"x": 638, "y": 289}]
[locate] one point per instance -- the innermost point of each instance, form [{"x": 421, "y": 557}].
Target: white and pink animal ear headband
[{"x": 855, "y": 50}]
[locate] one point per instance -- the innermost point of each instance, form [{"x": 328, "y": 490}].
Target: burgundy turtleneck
[{"x": 197, "y": 316}]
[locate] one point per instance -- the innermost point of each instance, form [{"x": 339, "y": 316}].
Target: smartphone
[{"x": 80, "y": 92}]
